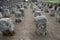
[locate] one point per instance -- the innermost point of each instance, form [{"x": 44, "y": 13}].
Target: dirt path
[{"x": 26, "y": 29}]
